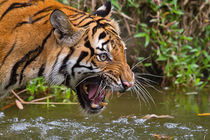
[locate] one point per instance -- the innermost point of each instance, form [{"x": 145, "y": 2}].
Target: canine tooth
[
  {"x": 94, "y": 105},
  {"x": 103, "y": 103},
  {"x": 85, "y": 89}
]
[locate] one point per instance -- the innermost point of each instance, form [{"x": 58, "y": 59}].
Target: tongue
[{"x": 92, "y": 89}]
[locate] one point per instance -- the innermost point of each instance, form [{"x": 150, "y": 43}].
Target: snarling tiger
[{"x": 64, "y": 45}]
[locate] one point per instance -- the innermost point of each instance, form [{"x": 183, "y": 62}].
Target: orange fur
[{"x": 28, "y": 43}]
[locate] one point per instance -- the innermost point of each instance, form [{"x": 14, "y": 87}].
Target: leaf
[
  {"x": 162, "y": 137},
  {"x": 143, "y": 25},
  {"x": 147, "y": 40},
  {"x": 140, "y": 35},
  {"x": 114, "y": 2},
  {"x": 203, "y": 114},
  {"x": 30, "y": 98},
  {"x": 153, "y": 20},
  {"x": 161, "y": 58},
  {"x": 147, "y": 64}
]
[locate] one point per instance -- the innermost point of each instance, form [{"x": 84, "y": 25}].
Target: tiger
[{"x": 66, "y": 46}]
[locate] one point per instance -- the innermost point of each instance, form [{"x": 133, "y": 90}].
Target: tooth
[
  {"x": 103, "y": 104},
  {"x": 94, "y": 105},
  {"x": 85, "y": 89}
]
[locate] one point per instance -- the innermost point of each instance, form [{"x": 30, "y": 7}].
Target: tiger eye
[{"x": 103, "y": 57}]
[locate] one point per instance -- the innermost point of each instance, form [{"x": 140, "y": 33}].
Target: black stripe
[
  {"x": 105, "y": 43},
  {"x": 73, "y": 16},
  {"x": 88, "y": 45},
  {"x": 63, "y": 66},
  {"x": 102, "y": 35},
  {"x": 114, "y": 31},
  {"x": 87, "y": 24},
  {"x": 94, "y": 64},
  {"x": 46, "y": 21},
  {"x": 41, "y": 70},
  {"x": 47, "y": 9},
  {"x": 94, "y": 30},
  {"x": 37, "y": 52},
  {"x": 13, "y": 76},
  {"x": 83, "y": 20},
  {"x": 28, "y": 22},
  {"x": 14, "y": 6},
  {"x": 20, "y": 24},
  {"x": 74, "y": 10},
  {"x": 3, "y": 2},
  {"x": 2, "y": 63},
  {"x": 82, "y": 56},
  {"x": 67, "y": 79},
  {"x": 39, "y": 18},
  {"x": 77, "y": 18},
  {"x": 104, "y": 24},
  {"x": 101, "y": 49}
]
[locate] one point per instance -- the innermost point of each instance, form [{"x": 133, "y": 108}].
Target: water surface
[{"x": 122, "y": 119}]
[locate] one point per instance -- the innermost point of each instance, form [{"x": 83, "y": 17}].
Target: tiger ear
[
  {"x": 65, "y": 32},
  {"x": 105, "y": 10}
]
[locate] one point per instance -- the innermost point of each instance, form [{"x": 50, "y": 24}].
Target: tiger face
[
  {"x": 101, "y": 61},
  {"x": 65, "y": 46}
]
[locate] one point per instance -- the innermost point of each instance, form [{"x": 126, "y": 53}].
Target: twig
[
  {"x": 127, "y": 26},
  {"x": 40, "y": 99},
  {"x": 50, "y": 103},
  {"x": 35, "y": 101},
  {"x": 22, "y": 91},
  {"x": 22, "y": 101},
  {"x": 93, "y": 5},
  {"x": 123, "y": 15}
]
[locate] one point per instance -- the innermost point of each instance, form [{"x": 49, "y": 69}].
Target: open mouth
[{"x": 91, "y": 94}]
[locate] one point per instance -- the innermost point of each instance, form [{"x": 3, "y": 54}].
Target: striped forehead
[{"x": 102, "y": 34}]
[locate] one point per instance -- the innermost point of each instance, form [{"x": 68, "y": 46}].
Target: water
[{"x": 122, "y": 119}]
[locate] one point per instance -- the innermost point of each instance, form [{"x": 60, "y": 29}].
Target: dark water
[{"x": 122, "y": 119}]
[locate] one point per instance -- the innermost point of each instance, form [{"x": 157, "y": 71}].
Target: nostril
[{"x": 127, "y": 84}]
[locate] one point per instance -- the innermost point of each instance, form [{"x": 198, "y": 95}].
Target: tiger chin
[{"x": 64, "y": 45}]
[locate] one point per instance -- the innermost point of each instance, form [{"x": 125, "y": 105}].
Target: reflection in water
[{"x": 122, "y": 119}]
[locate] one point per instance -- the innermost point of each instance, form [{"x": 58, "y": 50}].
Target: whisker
[
  {"x": 128, "y": 38},
  {"x": 148, "y": 74},
  {"x": 132, "y": 90},
  {"x": 146, "y": 82},
  {"x": 139, "y": 94},
  {"x": 95, "y": 75},
  {"x": 146, "y": 91},
  {"x": 140, "y": 62},
  {"x": 143, "y": 93},
  {"x": 146, "y": 79}
]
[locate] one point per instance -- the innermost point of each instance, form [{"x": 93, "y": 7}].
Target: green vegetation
[
  {"x": 38, "y": 87},
  {"x": 183, "y": 56}
]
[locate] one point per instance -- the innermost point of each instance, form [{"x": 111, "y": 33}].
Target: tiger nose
[{"x": 127, "y": 85}]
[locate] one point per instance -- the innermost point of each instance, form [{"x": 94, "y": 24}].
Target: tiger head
[{"x": 95, "y": 61}]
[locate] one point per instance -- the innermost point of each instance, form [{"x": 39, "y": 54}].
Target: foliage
[
  {"x": 39, "y": 86},
  {"x": 184, "y": 57}
]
